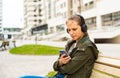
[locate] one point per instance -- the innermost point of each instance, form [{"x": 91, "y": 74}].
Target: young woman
[{"x": 81, "y": 50}]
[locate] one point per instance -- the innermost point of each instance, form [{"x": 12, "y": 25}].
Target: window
[
  {"x": 116, "y": 18},
  {"x": 91, "y": 22},
  {"x": 35, "y": 20},
  {"x": 107, "y": 20},
  {"x": 35, "y": 0},
  {"x": 88, "y": 6},
  {"x": 91, "y": 4}
]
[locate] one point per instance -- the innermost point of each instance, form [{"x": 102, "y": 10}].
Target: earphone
[{"x": 83, "y": 25}]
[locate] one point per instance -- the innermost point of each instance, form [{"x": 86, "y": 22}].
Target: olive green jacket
[{"x": 83, "y": 57}]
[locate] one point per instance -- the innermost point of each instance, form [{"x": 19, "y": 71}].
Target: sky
[{"x": 13, "y": 13}]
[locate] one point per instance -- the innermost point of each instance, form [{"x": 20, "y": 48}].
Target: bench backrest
[{"x": 106, "y": 67}]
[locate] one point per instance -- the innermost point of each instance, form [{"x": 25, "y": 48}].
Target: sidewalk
[
  {"x": 51, "y": 43},
  {"x": 14, "y": 66}
]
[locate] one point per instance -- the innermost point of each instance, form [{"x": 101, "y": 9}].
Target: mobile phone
[{"x": 63, "y": 52}]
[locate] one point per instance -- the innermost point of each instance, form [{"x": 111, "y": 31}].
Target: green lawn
[{"x": 36, "y": 50}]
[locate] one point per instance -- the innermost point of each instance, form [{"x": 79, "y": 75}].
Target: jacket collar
[{"x": 81, "y": 41}]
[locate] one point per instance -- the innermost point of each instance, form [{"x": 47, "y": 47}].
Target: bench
[
  {"x": 4, "y": 44},
  {"x": 106, "y": 67}
]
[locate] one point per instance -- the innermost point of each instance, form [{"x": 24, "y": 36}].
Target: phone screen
[{"x": 63, "y": 52}]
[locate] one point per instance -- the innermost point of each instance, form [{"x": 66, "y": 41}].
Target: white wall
[{"x": 103, "y": 7}]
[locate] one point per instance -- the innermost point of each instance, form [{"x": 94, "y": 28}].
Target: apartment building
[
  {"x": 49, "y": 16},
  {"x": 32, "y": 14},
  {"x": 59, "y": 11},
  {"x": 1, "y": 16},
  {"x": 101, "y": 13},
  {"x": 98, "y": 13},
  {"x": 1, "y": 35}
]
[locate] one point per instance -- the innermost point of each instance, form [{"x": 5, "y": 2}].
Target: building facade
[
  {"x": 1, "y": 15},
  {"x": 49, "y": 16},
  {"x": 57, "y": 15},
  {"x": 32, "y": 14},
  {"x": 101, "y": 13}
]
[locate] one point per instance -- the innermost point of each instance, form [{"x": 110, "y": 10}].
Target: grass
[{"x": 36, "y": 50}]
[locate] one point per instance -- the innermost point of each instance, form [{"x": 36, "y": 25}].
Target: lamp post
[
  {"x": 5, "y": 34},
  {"x": 36, "y": 38}
]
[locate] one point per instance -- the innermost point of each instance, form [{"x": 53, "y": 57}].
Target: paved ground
[{"x": 14, "y": 66}]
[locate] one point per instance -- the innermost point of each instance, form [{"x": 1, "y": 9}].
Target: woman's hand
[{"x": 64, "y": 59}]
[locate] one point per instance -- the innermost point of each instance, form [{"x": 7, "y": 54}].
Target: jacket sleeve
[
  {"x": 55, "y": 66},
  {"x": 79, "y": 59},
  {"x": 67, "y": 46}
]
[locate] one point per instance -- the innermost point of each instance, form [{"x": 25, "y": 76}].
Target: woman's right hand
[{"x": 64, "y": 59}]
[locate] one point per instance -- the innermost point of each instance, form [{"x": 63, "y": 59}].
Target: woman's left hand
[{"x": 64, "y": 60}]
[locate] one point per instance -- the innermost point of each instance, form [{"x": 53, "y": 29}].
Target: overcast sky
[{"x": 13, "y": 13}]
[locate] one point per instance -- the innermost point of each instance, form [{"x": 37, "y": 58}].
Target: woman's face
[{"x": 74, "y": 30}]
